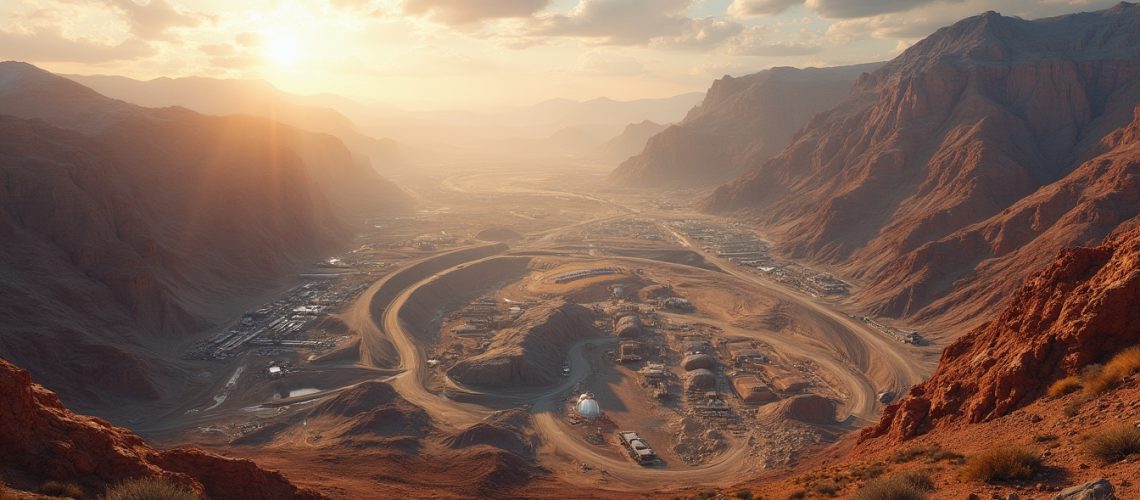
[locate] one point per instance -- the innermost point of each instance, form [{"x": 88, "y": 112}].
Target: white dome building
[{"x": 588, "y": 407}]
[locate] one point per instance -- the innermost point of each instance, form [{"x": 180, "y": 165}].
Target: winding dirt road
[{"x": 859, "y": 358}]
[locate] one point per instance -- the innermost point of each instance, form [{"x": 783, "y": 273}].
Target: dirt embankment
[
  {"x": 384, "y": 353},
  {"x": 530, "y": 353},
  {"x": 421, "y": 313}
]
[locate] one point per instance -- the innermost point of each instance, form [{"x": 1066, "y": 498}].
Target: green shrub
[
  {"x": 1115, "y": 443},
  {"x": 1003, "y": 464},
  {"x": 149, "y": 488},
  {"x": 910, "y": 485},
  {"x": 61, "y": 489}
]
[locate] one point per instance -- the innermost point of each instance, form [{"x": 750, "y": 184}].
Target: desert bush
[
  {"x": 61, "y": 489},
  {"x": 1123, "y": 364},
  {"x": 743, "y": 495},
  {"x": 828, "y": 488},
  {"x": 1067, "y": 385},
  {"x": 932, "y": 454},
  {"x": 149, "y": 488},
  {"x": 797, "y": 495},
  {"x": 1003, "y": 464},
  {"x": 1115, "y": 443},
  {"x": 910, "y": 485},
  {"x": 1043, "y": 438}
]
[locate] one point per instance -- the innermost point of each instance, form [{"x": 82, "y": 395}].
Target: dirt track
[{"x": 860, "y": 360}]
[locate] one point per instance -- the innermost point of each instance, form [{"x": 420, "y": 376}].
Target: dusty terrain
[{"x": 454, "y": 357}]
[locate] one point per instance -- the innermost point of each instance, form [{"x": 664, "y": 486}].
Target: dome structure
[
  {"x": 628, "y": 326},
  {"x": 697, "y": 361},
  {"x": 700, "y": 378},
  {"x": 588, "y": 407}
]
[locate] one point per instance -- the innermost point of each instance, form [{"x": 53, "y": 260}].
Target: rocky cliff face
[
  {"x": 741, "y": 122},
  {"x": 912, "y": 178},
  {"x": 43, "y": 440},
  {"x": 126, "y": 228},
  {"x": 1079, "y": 310}
]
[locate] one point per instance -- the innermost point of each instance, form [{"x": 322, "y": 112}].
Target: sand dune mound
[
  {"x": 808, "y": 408},
  {"x": 363, "y": 397},
  {"x": 495, "y": 471},
  {"x": 529, "y": 354},
  {"x": 509, "y": 430},
  {"x": 498, "y": 234},
  {"x": 373, "y": 409}
]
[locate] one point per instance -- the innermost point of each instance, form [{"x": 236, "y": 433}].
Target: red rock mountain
[
  {"x": 1079, "y": 310},
  {"x": 964, "y": 163},
  {"x": 126, "y": 228},
  {"x": 43, "y": 440},
  {"x": 741, "y": 122}
]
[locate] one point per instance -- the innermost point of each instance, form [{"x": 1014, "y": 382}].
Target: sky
[{"x": 425, "y": 54}]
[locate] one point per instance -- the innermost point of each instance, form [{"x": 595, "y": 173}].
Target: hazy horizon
[{"x": 445, "y": 54}]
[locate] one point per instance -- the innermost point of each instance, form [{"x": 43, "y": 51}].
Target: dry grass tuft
[
  {"x": 1125, "y": 363},
  {"x": 910, "y": 485},
  {"x": 1067, "y": 385},
  {"x": 61, "y": 489},
  {"x": 149, "y": 488},
  {"x": 1003, "y": 464},
  {"x": 1115, "y": 443}
]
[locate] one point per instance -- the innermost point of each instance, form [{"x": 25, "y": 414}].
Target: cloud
[
  {"x": 618, "y": 22},
  {"x": 753, "y": 8},
  {"x": 834, "y": 9},
  {"x": 49, "y": 45},
  {"x": 767, "y": 41},
  {"x": 848, "y": 9},
  {"x": 462, "y": 12},
  {"x": 699, "y": 34}
]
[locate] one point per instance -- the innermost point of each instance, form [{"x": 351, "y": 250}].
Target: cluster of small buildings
[
  {"x": 286, "y": 321},
  {"x": 636, "y": 228}
]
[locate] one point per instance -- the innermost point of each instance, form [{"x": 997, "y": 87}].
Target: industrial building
[{"x": 753, "y": 390}]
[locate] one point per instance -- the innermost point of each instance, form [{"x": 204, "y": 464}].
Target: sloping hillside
[
  {"x": 135, "y": 227},
  {"x": 912, "y": 178},
  {"x": 741, "y": 122}
]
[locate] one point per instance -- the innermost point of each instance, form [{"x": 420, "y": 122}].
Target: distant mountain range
[
  {"x": 557, "y": 127},
  {"x": 955, "y": 169}
]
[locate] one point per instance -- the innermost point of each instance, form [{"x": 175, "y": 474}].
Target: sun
[{"x": 282, "y": 49}]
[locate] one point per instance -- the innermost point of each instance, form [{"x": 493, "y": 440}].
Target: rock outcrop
[
  {"x": 530, "y": 354},
  {"x": 741, "y": 122},
  {"x": 42, "y": 440},
  {"x": 963, "y": 163},
  {"x": 1079, "y": 310}
]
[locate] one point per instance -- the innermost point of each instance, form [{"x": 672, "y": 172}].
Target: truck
[{"x": 637, "y": 448}]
